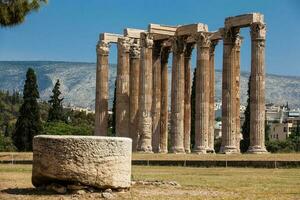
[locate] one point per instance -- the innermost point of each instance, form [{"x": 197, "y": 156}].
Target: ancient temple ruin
[{"x": 142, "y": 86}]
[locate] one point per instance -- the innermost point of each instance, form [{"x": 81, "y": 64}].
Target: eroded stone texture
[
  {"x": 122, "y": 89},
  {"x": 187, "y": 97},
  {"x": 145, "y": 96},
  {"x": 202, "y": 94},
  {"x": 134, "y": 92},
  {"x": 101, "y": 102},
  {"x": 177, "y": 94},
  {"x": 237, "y": 60},
  {"x": 257, "y": 89},
  {"x": 101, "y": 162},
  {"x": 211, "y": 132},
  {"x": 229, "y": 92},
  {"x": 163, "y": 146},
  {"x": 156, "y": 101}
]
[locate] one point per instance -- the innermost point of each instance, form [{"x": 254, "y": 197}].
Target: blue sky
[{"x": 67, "y": 30}]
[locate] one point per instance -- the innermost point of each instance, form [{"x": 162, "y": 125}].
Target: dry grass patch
[{"x": 196, "y": 183}]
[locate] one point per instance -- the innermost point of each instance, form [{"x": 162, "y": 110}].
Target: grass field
[
  {"x": 196, "y": 183},
  {"x": 139, "y": 156}
]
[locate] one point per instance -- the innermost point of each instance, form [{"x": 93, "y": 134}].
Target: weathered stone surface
[
  {"x": 122, "y": 88},
  {"x": 257, "y": 89},
  {"x": 177, "y": 94},
  {"x": 101, "y": 162},
  {"x": 202, "y": 94}
]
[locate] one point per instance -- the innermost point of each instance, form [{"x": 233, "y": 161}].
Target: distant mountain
[{"x": 78, "y": 82}]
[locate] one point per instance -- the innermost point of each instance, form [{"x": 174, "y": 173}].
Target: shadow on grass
[{"x": 27, "y": 191}]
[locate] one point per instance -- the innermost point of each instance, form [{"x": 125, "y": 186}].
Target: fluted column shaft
[
  {"x": 177, "y": 94},
  {"x": 237, "y": 60},
  {"x": 156, "y": 101},
  {"x": 145, "y": 96},
  {"x": 134, "y": 93},
  {"x": 101, "y": 102},
  {"x": 257, "y": 89},
  {"x": 229, "y": 92},
  {"x": 187, "y": 97},
  {"x": 164, "y": 101},
  {"x": 122, "y": 89},
  {"x": 202, "y": 94},
  {"x": 211, "y": 133}
]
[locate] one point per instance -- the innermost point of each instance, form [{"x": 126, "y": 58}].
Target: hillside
[{"x": 78, "y": 82}]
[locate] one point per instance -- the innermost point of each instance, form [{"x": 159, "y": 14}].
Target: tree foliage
[
  {"x": 13, "y": 12},
  {"x": 245, "y": 142},
  {"x": 29, "y": 122},
  {"x": 56, "y": 112},
  {"x": 193, "y": 109}
]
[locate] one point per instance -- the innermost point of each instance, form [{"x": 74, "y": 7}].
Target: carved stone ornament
[
  {"x": 189, "y": 50},
  {"x": 102, "y": 48},
  {"x": 203, "y": 40},
  {"x": 146, "y": 40},
  {"x": 212, "y": 47},
  {"x": 230, "y": 35},
  {"x": 258, "y": 31},
  {"x": 135, "y": 50},
  {"x": 124, "y": 44},
  {"x": 178, "y": 44}
]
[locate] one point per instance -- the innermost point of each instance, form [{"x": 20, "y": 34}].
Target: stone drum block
[{"x": 100, "y": 162}]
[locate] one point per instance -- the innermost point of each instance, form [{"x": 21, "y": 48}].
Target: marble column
[
  {"x": 257, "y": 89},
  {"x": 134, "y": 92},
  {"x": 211, "y": 133},
  {"x": 101, "y": 102},
  {"x": 164, "y": 100},
  {"x": 237, "y": 60},
  {"x": 156, "y": 100},
  {"x": 145, "y": 96},
  {"x": 229, "y": 92},
  {"x": 122, "y": 89},
  {"x": 177, "y": 95},
  {"x": 202, "y": 94},
  {"x": 187, "y": 97}
]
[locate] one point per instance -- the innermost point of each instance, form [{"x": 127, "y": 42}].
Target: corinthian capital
[
  {"x": 212, "y": 47},
  {"x": 230, "y": 35},
  {"x": 102, "y": 48},
  {"x": 146, "y": 40},
  {"x": 135, "y": 49},
  {"x": 258, "y": 31},
  {"x": 124, "y": 44},
  {"x": 202, "y": 39},
  {"x": 178, "y": 44}
]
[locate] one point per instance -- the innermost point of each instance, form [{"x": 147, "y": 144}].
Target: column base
[
  {"x": 257, "y": 150},
  {"x": 147, "y": 149},
  {"x": 229, "y": 150},
  {"x": 163, "y": 151},
  {"x": 200, "y": 150},
  {"x": 210, "y": 150},
  {"x": 187, "y": 151},
  {"x": 177, "y": 150}
]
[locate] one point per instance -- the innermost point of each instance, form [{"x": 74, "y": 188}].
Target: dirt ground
[{"x": 195, "y": 183}]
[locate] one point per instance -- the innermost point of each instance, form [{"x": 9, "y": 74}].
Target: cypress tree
[
  {"x": 113, "y": 122},
  {"x": 29, "y": 122},
  {"x": 56, "y": 107},
  {"x": 193, "y": 108},
  {"x": 245, "y": 142}
]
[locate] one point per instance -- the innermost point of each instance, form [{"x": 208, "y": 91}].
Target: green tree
[
  {"x": 13, "y": 12},
  {"x": 245, "y": 142},
  {"x": 193, "y": 108},
  {"x": 56, "y": 112},
  {"x": 28, "y": 123}
]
